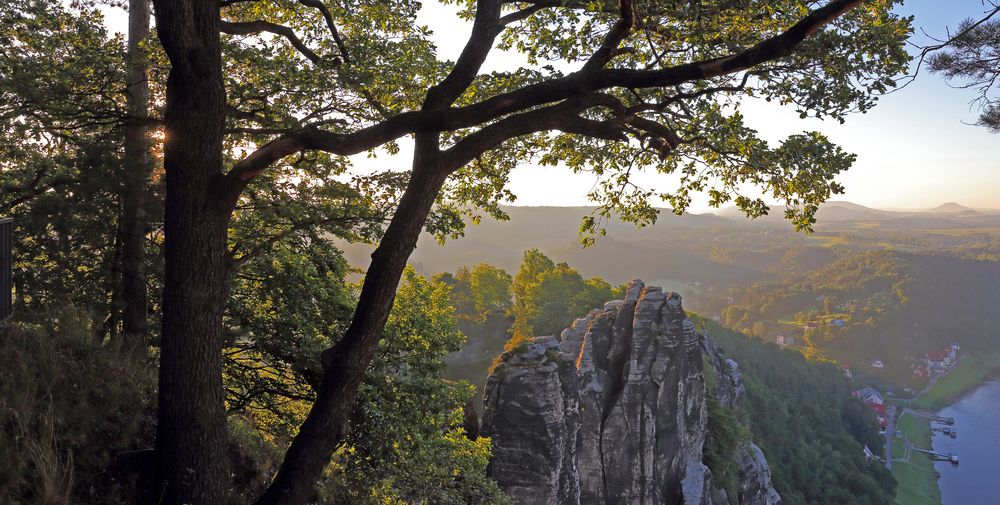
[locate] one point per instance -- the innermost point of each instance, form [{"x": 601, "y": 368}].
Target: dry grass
[{"x": 67, "y": 406}]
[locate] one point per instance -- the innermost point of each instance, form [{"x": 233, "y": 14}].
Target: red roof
[
  {"x": 877, "y": 408},
  {"x": 942, "y": 354}
]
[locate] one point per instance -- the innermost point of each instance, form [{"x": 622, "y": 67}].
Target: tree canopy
[{"x": 257, "y": 106}]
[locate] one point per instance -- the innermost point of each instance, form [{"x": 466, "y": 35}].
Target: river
[{"x": 977, "y": 421}]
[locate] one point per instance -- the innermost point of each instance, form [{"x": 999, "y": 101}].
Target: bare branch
[
  {"x": 563, "y": 116},
  {"x": 485, "y": 29},
  {"x": 927, "y": 50},
  {"x": 520, "y": 15}
]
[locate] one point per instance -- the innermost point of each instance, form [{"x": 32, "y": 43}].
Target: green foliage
[
  {"x": 406, "y": 443},
  {"x": 973, "y": 58},
  {"x": 61, "y": 95},
  {"x": 60, "y": 117},
  {"x": 286, "y": 307},
  {"x": 491, "y": 289},
  {"x": 478, "y": 294},
  {"x": 549, "y": 296},
  {"x": 725, "y": 433},
  {"x": 67, "y": 407},
  {"x": 861, "y": 423},
  {"x": 802, "y": 416}
]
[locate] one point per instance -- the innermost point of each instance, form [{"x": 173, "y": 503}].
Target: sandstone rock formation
[
  {"x": 613, "y": 411},
  {"x": 755, "y": 477}
]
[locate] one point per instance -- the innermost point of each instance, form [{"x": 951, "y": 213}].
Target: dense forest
[
  {"x": 71, "y": 446},
  {"x": 812, "y": 431},
  {"x": 860, "y": 306}
]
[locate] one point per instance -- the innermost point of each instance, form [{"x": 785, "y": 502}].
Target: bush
[{"x": 68, "y": 406}]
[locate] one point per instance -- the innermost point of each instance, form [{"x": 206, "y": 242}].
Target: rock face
[
  {"x": 612, "y": 411},
  {"x": 755, "y": 477}
]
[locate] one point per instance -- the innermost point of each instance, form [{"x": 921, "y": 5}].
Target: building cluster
[{"x": 935, "y": 362}]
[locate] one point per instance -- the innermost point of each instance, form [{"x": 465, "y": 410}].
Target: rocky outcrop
[
  {"x": 755, "y": 477},
  {"x": 729, "y": 387},
  {"x": 611, "y": 411}
]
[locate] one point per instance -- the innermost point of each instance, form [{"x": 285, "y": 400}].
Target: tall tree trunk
[
  {"x": 137, "y": 165},
  {"x": 191, "y": 431},
  {"x": 345, "y": 363}
]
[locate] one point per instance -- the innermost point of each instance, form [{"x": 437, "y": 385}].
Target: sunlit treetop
[{"x": 641, "y": 85}]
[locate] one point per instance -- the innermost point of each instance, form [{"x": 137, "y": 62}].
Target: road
[{"x": 890, "y": 432}]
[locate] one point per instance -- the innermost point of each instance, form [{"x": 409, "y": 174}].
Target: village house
[
  {"x": 875, "y": 401},
  {"x": 870, "y": 395},
  {"x": 921, "y": 371},
  {"x": 942, "y": 358},
  {"x": 847, "y": 370},
  {"x": 784, "y": 340}
]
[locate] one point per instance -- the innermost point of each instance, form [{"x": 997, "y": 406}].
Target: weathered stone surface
[
  {"x": 612, "y": 411},
  {"x": 755, "y": 477},
  {"x": 729, "y": 388}
]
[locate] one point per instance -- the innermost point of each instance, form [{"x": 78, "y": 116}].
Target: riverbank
[
  {"x": 913, "y": 470},
  {"x": 965, "y": 377}
]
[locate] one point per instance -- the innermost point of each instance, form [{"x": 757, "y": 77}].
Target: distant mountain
[
  {"x": 838, "y": 212},
  {"x": 829, "y": 211},
  {"x": 952, "y": 208},
  {"x": 659, "y": 252},
  {"x": 848, "y": 211},
  {"x": 675, "y": 248}
]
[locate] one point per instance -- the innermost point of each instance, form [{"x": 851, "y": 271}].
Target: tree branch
[
  {"x": 255, "y": 27},
  {"x": 319, "y": 5},
  {"x": 614, "y": 38},
  {"x": 563, "y": 117},
  {"x": 485, "y": 29},
  {"x": 432, "y": 119}
]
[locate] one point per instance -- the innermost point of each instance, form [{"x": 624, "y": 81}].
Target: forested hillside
[
  {"x": 883, "y": 305},
  {"x": 800, "y": 412},
  {"x": 812, "y": 431},
  {"x": 890, "y": 289}
]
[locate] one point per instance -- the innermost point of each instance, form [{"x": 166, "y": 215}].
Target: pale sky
[{"x": 914, "y": 151}]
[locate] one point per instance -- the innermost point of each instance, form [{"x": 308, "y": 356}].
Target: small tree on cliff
[{"x": 653, "y": 85}]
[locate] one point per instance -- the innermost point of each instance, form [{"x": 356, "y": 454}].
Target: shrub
[{"x": 68, "y": 406}]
